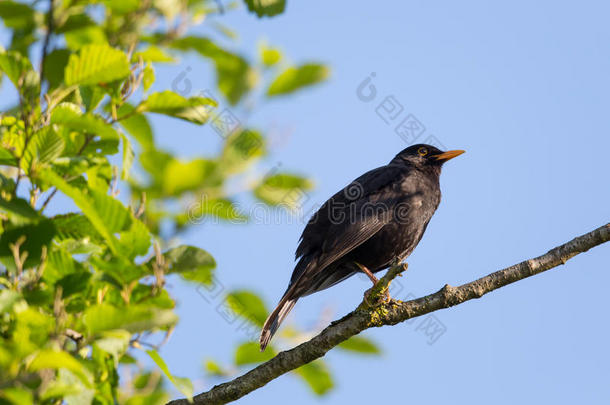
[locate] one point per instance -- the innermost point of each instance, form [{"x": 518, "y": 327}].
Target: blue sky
[{"x": 524, "y": 88}]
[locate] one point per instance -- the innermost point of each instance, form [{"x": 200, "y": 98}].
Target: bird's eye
[{"x": 422, "y": 151}]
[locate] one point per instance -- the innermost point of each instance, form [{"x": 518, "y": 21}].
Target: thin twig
[{"x": 47, "y": 39}]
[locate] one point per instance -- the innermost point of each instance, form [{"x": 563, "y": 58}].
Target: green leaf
[
  {"x": 70, "y": 117},
  {"x": 248, "y": 305},
  {"x": 111, "y": 217},
  {"x": 74, "y": 226},
  {"x": 96, "y": 64},
  {"x": 179, "y": 177},
  {"x": 15, "y": 66},
  {"x": 7, "y": 158},
  {"x": 79, "y": 38},
  {"x": 44, "y": 147},
  {"x": 359, "y": 344},
  {"x": 214, "y": 369},
  {"x": 295, "y": 78},
  {"x": 268, "y": 8},
  {"x": 17, "y": 396},
  {"x": 317, "y": 376},
  {"x": 128, "y": 156},
  {"x": 16, "y": 15},
  {"x": 114, "y": 342},
  {"x": 55, "y": 65},
  {"x": 134, "y": 318},
  {"x": 250, "y": 353},
  {"x": 217, "y": 207},
  {"x": 54, "y": 359},
  {"x": 270, "y": 56},
  {"x": 8, "y": 298},
  {"x": 136, "y": 124},
  {"x": 36, "y": 236},
  {"x": 233, "y": 74},
  {"x": 74, "y": 283},
  {"x": 194, "y": 109},
  {"x": 122, "y": 6},
  {"x": 19, "y": 211},
  {"x": 284, "y": 190},
  {"x": 92, "y": 96},
  {"x": 240, "y": 150},
  {"x": 152, "y": 54},
  {"x": 191, "y": 262},
  {"x": 182, "y": 384},
  {"x": 148, "y": 76},
  {"x": 75, "y": 22},
  {"x": 135, "y": 241}
]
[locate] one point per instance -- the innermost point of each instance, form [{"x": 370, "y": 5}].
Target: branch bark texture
[{"x": 390, "y": 313}]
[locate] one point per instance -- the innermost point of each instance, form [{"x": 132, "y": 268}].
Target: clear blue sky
[{"x": 524, "y": 87}]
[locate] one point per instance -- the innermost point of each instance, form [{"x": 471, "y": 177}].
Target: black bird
[{"x": 377, "y": 219}]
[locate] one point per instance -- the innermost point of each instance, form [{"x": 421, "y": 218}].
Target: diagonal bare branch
[{"x": 391, "y": 313}]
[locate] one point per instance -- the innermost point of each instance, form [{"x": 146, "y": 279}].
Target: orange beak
[{"x": 445, "y": 156}]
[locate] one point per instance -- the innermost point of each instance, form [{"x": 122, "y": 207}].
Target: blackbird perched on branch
[{"x": 376, "y": 220}]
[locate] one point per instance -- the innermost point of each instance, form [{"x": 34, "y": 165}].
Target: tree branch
[{"x": 391, "y": 313}]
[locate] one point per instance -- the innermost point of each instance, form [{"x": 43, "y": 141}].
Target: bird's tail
[{"x": 275, "y": 319}]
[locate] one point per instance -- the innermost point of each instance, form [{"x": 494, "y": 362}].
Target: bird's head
[{"x": 422, "y": 155}]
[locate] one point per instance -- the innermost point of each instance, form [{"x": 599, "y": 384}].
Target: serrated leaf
[
  {"x": 44, "y": 147},
  {"x": 134, "y": 318},
  {"x": 96, "y": 64},
  {"x": 317, "y": 376},
  {"x": 115, "y": 215},
  {"x": 248, "y": 305},
  {"x": 182, "y": 384},
  {"x": 266, "y": 8},
  {"x": 194, "y": 109},
  {"x": 359, "y": 344},
  {"x": 135, "y": 240},
  {"x": 250, "y": 353},
  {"x": 295, "y": 78},
  {"x": 74, "y": 226},
  {"x": 102, "y": 221},
  {"x": 70, "y": 117}
]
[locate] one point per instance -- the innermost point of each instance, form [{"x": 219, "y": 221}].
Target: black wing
[{"x": 349, "y": 218}]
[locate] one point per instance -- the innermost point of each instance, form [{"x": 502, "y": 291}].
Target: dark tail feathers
[{"x": 275, "y": 319}]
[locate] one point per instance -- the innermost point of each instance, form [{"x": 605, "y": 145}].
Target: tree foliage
[{"x": 83, "y": 288}]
